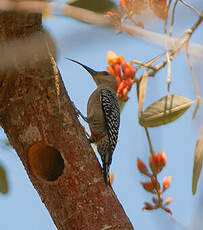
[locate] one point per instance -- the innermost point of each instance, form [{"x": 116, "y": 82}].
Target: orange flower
[
  {"x": 163, "y": 158},
  {"x": 149, "y": 187},
  {"x": 111, "y": 177},
  {"x": 166, "y": 182},
  {"x": 148, "y": 206},
  {"x": 131, "y": 7},
  {"x": 123, "y": 72},
  {"x": 122, "y": 3},
  {"x": 159, "y": 8},
  {"x": 157, "y": 162},
  {"x": 168, "y": 201},
  {"x": 142, "y": 167}
]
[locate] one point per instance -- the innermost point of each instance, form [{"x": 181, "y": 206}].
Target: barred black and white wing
[{"x": 111, "y": 112}]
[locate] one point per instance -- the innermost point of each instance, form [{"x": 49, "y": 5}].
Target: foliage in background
[
  {"x": 98, "y": 6},
  {"x": 3, "y": 181}
]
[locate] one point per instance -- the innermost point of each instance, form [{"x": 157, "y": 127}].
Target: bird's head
[{"x": 101, "y": 78}]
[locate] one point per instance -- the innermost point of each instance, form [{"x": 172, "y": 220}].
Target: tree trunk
[{"x": 41, "y": 125}]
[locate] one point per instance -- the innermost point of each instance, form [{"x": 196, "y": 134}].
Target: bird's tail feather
[
  {"x": 107, "y": 158},
  {"x": 105, "y": 152},
  {"x": 106, "y": 174}
]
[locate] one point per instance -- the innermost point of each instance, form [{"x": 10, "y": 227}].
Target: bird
[{"x": 103, "y": 116}]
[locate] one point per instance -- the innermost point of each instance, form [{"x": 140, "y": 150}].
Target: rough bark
[{"x": 39, "y": 120}]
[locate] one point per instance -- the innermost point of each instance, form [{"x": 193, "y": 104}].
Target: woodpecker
[{"x": 103, "y": 116}]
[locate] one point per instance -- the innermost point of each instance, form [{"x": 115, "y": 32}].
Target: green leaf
[
  {"x": 98, "y": 6},
  {"x": 165, "y": 110},
  {"x": 3, "y": 181},
  {"x": 197, "y": 165}
]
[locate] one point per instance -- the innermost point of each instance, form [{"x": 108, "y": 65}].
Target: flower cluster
[
  {"x": 116, "y": 18},
  {"x": 131, "y": 7},
  {"x": 156, "y": 164},
  {"x": 159, "y": 8},
  {"x": 123, "y": 72}
]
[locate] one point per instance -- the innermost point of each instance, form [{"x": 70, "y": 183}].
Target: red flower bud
[
  {"x": 157, "y": 162},
  {"x": 110, "y": 54},
  {"x": 149, "y": 187},
  {"x": 132, "y": 73},
  {"x": 142, "y": 167},
  {"x": 118, "y": 80},
  {"x": 122, "y": 3},
  {"x": 121, "y": 86},
  {"x": 122, "y": 60},
  {"x": 161, "y": 198},
  {"x": 114, "y": 61},
  {"x": 166, "y": 182},
  {"x": 129, "y": 83},
  {"x": 163, "y": 158},
  {"x": 125, "y": 91},
  {"x": 148, "y": 206},
  {"x": 167, "y": 210},
  {"x": 168, "y": 201},
  {"x": 153, "y": 163},
  {"x": 127, "y": 73},
  {"x": 118, "y": 61},
  {"x": 124, "y": 65},
  {"x": 111, "y": 177},
  {"x": 117, "y": 69},
  {"x": 132, "y": 70}
]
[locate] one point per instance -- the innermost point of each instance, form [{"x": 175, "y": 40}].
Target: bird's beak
[{"x": 91, "y": 71}]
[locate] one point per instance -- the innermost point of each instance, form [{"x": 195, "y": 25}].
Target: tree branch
[
  {"x": 40, "y": 122},
  {"x": 91, "y": 17}
]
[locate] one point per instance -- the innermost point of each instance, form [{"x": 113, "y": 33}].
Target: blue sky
[{"x": 89, "y": 45}]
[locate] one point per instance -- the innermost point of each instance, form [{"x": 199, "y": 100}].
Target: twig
[
  {"x": 182, "y": 44},
  {"x": 148, "y": 64},
  {"x": 146, "y": 130},
  {"x": 172, "y": 22},
  {"x": 141, "y": 65},
  {"x": 137, "y": 23},
  {"x": 149, "y": 140},
  {"x": 157, "y": 58},
  {"x": 191, "y": 7},
  {"x": 168, "y": 79}
]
